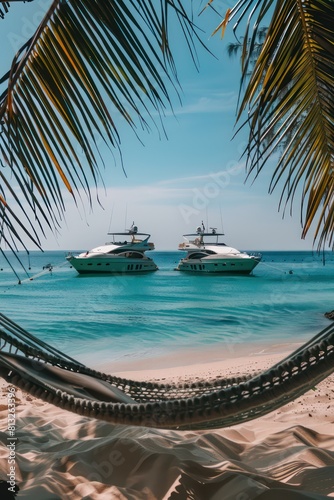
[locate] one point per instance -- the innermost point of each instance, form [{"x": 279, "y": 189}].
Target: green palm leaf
[
  {"x": 289, "y": 103},
  {"x": 88, "y": 62}
]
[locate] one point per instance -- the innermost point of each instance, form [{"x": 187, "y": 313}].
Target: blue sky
[{"x": 174, "y": 183}]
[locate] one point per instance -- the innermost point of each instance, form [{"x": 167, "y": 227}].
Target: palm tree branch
[
  {"x": 87, "y": 64},
  {"x": 291, "y": 78}
]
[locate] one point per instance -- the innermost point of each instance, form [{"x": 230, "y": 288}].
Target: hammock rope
[{"x": 47, "y": 373}]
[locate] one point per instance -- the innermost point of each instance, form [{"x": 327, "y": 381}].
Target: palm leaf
[
  {"x": 4, "y": 6},
  {"x": 88, "y": 63},
  {"x": 289, "y": 98}
]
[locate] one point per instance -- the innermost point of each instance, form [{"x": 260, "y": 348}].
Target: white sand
[{"x": 285, "y": 455}]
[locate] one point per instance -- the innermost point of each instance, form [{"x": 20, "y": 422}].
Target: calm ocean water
[{"x": 115, "y": 318}]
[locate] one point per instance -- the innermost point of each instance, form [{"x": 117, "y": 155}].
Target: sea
[{"x": 125, "y": 318}]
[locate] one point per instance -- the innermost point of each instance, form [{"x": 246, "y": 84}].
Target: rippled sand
[{"x": 285, "y": 455}]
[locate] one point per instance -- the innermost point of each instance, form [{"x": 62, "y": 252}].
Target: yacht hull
[
  {"x": 112, "y": 265},
  {"x": 218, "y": 266}
]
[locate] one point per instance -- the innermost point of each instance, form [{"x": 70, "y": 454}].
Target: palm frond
[
  {"x": 4, "y": 6},
  {"x": 88, "y": 63},
  {"x": 290, "y": 98}
]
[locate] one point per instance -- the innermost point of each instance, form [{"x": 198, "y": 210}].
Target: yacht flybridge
[
  {"x": 124, "y": 254},
  {"x": 207, "y": 254}
]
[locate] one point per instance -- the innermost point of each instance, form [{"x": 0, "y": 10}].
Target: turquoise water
[{"x": 119, "y": 318}]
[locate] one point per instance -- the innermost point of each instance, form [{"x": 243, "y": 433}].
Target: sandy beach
[{"x": 287, "y": 454}]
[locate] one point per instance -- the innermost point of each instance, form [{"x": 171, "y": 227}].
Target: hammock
[{"x": 46, "y": 373}]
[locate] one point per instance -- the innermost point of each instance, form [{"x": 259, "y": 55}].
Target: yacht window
[
  {"x": 136, "y": 255},
  {"x": 131, "y": 255},
  {"x": 197, "y": 255}
]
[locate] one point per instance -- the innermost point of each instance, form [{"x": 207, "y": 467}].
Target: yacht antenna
[
  {"x": 126, "y": 215},
  {"x": 111, "y": 215},
  {"x": 221, "y": 219}
]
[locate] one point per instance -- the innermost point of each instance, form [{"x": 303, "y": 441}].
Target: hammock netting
[{"x": 46, "y": 373}]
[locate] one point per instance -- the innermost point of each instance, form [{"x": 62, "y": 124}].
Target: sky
[{"x": 173, "y": 183}]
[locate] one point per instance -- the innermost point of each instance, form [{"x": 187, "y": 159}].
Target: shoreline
[{"x": 194, "y": 361}]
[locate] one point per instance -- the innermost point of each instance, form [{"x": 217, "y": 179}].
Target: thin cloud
[{"x": 214, "y": 104}]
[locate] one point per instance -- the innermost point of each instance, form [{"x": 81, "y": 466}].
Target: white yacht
[
  {"x": 124, "y": 254},
  {"x": 206, "y": 254}
]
